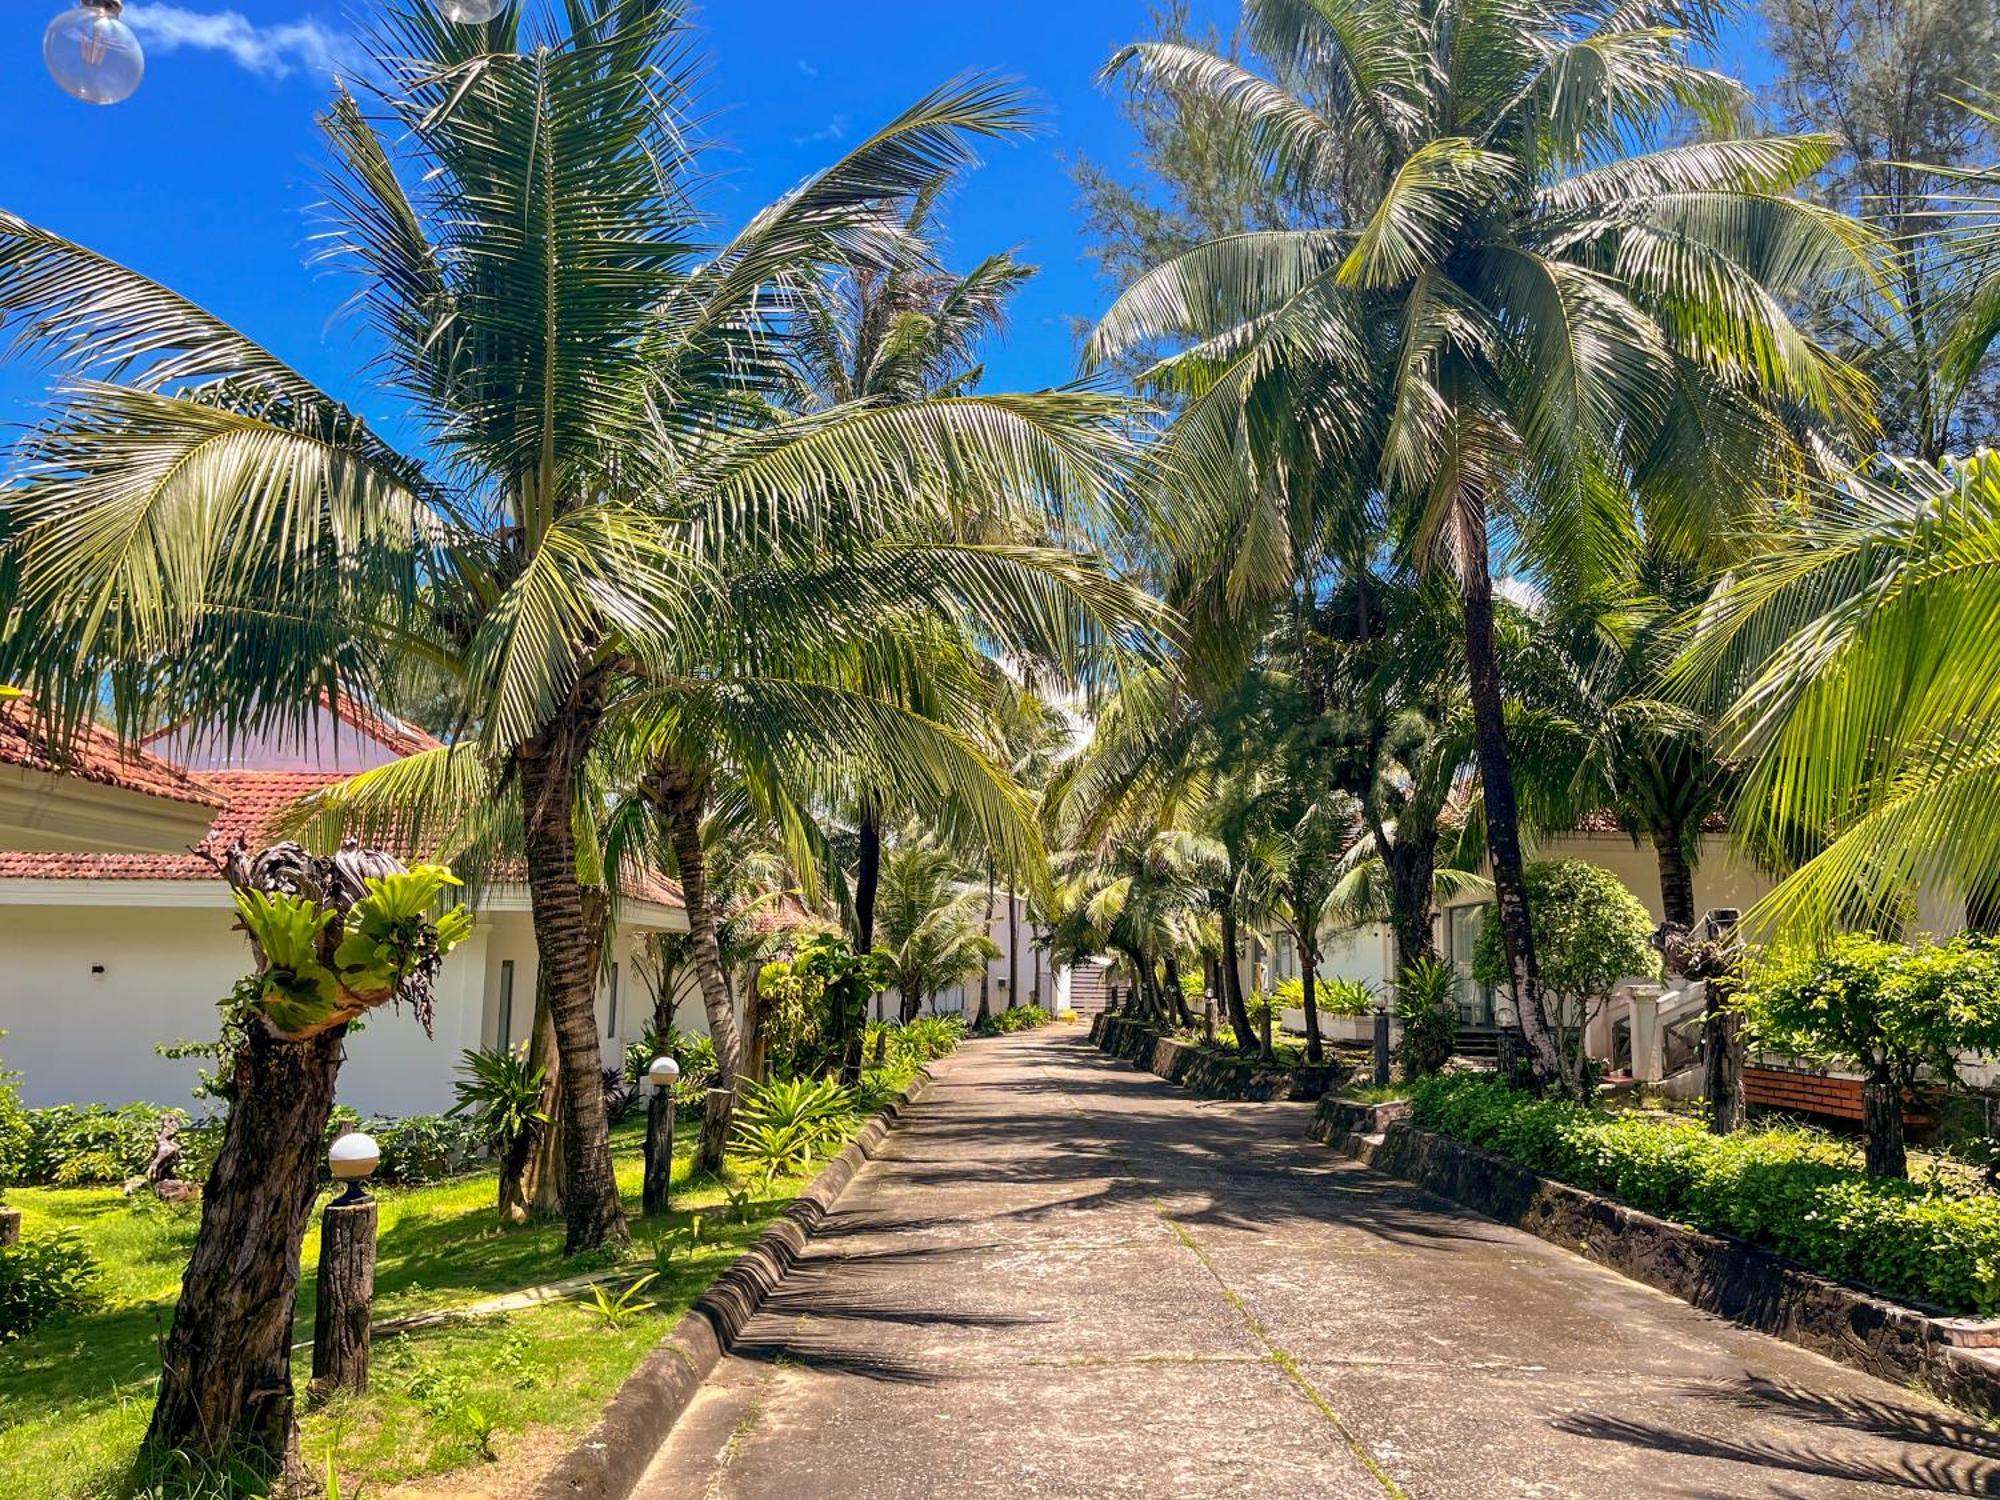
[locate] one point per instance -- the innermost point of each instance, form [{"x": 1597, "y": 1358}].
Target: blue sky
[{"x": 204, "y": 178}]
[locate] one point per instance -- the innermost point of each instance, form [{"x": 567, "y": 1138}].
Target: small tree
[
  {"x": 334, "y": 939},
  {"x": 1427, "y": 1011},
  {"x": 1589, "y": 932},
  {"x": 502, "y": 1094},
  {"x": 1893, "y": 1012}
]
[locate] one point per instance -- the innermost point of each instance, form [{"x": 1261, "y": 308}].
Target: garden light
[
  {"x": 664, "y": 1071},
  {"x": 93, "y": 54},
  {"x": 354, "y": 1158}
]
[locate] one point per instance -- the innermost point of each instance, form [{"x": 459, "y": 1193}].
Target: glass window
[
  {"x": 1475, "y": 1000},
  {"x": 506, "y": 1003}
]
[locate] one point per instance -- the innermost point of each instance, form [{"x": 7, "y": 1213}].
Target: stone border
[
  {"x": 612, "y": 1458},
  {"x": 1950, "y": 1357},
  {"x": 1206, "y": 1073}
]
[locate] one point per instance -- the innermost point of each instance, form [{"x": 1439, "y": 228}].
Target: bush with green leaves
[
  {"x": 79, "y": 1145},
  {"x": 1331, "y": 997},
  {"x": 922, "y": 1039},
  {"x": 44, "y": 1278},
  {"x": 783, "y": 1126},
  {"x": 1427, "y": 1012},
  {"x": 1020, "y": 1018},
  {"x": 16, "y": 1135},
  {"x": 500, "y": 1095},
  {"x": 694, "y": 1052},
  {"x": 1590, "y": 932},
  {"x": 1897, "y": 1014},
  {"x": 1796, "y": 1192}
]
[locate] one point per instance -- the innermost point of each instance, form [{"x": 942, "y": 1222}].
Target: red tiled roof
[
  {"x": 248, "y": 804},
  {"x": 399, "y": 736},
  {"x": 93, "y": 754}
]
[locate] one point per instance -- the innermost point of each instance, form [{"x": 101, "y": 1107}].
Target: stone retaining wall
[
  {"x": 1951, "y": 1357},
  {"x": 1214, "y": 1074}
]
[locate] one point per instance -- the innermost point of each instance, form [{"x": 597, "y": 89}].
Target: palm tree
[
  {"x": 931, "y": 924},
  {"x": 1517, "y": 306},
  {"x": 593, "y": 385},
  {"x": 1858, "y": 650}
]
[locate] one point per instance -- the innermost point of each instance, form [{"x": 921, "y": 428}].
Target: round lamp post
[
  {"x": 346, "y": 1295},
  {"x": 92, "y": 54},
  {"x": 659, "y": 1135}
]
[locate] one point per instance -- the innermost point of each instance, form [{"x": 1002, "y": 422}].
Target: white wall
[{"x": 1034, "y": 964}]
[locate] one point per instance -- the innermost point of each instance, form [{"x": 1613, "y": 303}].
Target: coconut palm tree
[
  {"x": 932, "y": 923},
  {"x": 595, "y": 393},
  {"x": 1520, "y": 308}
]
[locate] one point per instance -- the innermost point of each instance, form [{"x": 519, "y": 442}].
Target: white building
[{"x": 115, "y": 936}]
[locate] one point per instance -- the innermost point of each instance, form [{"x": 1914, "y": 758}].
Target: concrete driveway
[{"x": 1065, "y": 1277}]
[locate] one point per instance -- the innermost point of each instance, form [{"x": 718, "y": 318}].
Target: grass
[{"x": 75, "y": 1396}]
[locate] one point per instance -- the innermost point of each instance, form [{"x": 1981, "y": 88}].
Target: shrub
[
  {"x": 1427, "y": 1010},
  {"x": 1590, "y": 931},
  {"x": 42, "y": 1279},
  {"x": 421, "y": 1149},
  {"x": 74, "y": 1145},
  {"x": 1796, "y": 1192},
  {"x": 500, "y": 1096},
  {"x": 1019, "y": 1018},
  {"x": 1894, "y": 1012},
  {"x": 695, "y": 1053},
  {"x": 783, "y": 1126},
  {"x": 1331, "y": 997},
  {"x": 16, "y": 1135}
]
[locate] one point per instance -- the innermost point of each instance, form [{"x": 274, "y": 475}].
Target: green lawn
[{"x": 505, "y": 1390}]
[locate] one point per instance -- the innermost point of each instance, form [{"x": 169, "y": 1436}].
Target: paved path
[{"x": 1067, "y": 1278}]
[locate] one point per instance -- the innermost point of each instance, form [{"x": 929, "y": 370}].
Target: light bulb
[
  {"x": 470, "y": 12},
  {"x": 92, "y": 54}
]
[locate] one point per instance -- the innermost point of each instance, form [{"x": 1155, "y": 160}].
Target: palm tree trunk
[
  {"x": 1676, "y": 878},
  {"x": 1013, "y": 946},
  {"x": 226, "y": 1395},
  {"x": 1232, "y": 982},
  {"x": 593, "y": 1213},
  {"x": 1308, "y": 989},
  {"x": 1176, "y": 991},
  {"x": 1496, "y": 779},
  {"x": 986, "y": 974},
  {"x": 676, "y": 791},
  {"x": 542, "y": 1182},
  {"x": 853, "y": 1030}
]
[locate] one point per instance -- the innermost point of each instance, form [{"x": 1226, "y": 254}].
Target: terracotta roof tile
[
  {"x": 94, "y": 754},
  {"x": 1606, "y": 821}
]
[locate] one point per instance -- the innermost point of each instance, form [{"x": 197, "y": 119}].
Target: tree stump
[
  {"x": 10, "y": 1228},
  {"x": 346, "y": 1296},
  {"x": 659, "y": 1151}
]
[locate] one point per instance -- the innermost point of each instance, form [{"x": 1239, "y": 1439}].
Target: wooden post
[
  {"x": 1269, "y": 1006},
  {"x": 10, "y": 1228},
  {"x": 659, "y": 1150},
  {"x": 1381, "y": 1046},
  {"x": 346, "y": 1295}
]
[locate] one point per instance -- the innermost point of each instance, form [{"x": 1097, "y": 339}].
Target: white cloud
[
  {"x": 808, "y": 69},
  {"x": 833, "y": 130},
  {"x": 270, "y": 50}
]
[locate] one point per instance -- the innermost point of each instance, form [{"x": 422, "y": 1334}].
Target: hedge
[{"x": 1792, "y": 1191}]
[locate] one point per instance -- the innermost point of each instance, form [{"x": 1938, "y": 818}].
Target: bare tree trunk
[
  {"x": 676, "y": 790},
  {"x": 226, "y": 1393},
  {"x": 593, "y": 1213},
  {"x": 867, "y": 883},
  {"x": 1882, "y": 1125},
  {"x": 1176, "y": 991},
  {"x": 1676, "y": 878},
  {"x": 1232, "y": 982},
  {"x": 757, "y": 1060},
  {"x": 542, "y": 1182},
  {"x": 1496, "y": 779},
  {"x": 1309, "y": 989},
  {"x": 986, "y": 974}
]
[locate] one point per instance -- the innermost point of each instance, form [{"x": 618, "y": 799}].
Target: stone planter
[
  {"x": 1957, "y": 1359},
  {"x": 1216, "y": 1073}
]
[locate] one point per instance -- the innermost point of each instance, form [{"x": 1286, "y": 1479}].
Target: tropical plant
[
  {"x": 16, "y": 1132},
  {"x": 45, "y": 1278},
  {"x": 1427, "y": 1012},
  {"x": 803, "y": 1115},
  {"x": 1901, "y": 1015},
  {"x": 617, "y": 1313},
  {"x": 502, "y": 1095},
  {"x": 1519, "y": 305},
  {"x": 1591, "y": 932}
]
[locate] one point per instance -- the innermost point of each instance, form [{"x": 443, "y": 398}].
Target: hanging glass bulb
[
  {"x": 470, "y": 12},
  {"x": 93, "y": 54}
]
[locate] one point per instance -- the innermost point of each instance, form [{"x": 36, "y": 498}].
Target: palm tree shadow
[{"x": 1935, "y": 1453}]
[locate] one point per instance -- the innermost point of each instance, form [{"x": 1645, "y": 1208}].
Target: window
[
  {"x": 611, "y": 1029},
  {"x": 506, "y": 1003}
]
